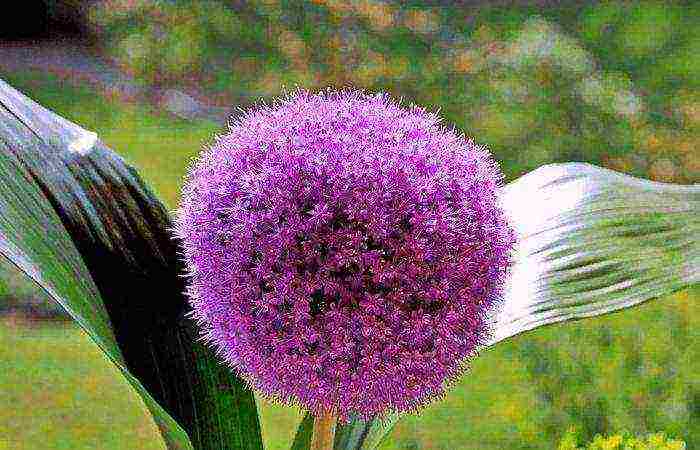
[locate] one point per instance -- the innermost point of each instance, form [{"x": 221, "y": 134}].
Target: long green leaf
[
  {"x": 302, "y": 439},
  {"x": 81, "y": 223},
  {"x": 590, "y": 241},
  {"x": 593, "y": 241}
]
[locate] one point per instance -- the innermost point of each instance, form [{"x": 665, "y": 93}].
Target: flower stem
[{"x": 324, "y": 432}]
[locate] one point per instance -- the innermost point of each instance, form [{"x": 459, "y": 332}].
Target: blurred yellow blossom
[
  {"x": 691, "y": 162},
  {"x": 621, "y": 164},
  {"x": 373, "y": 67},
  {"x": 269, "y": 84},
  {"x": 338, "y": 7},
  {"x": 691, "y": 113},
  {"x": 379, "y": 14},
  {"x": 466, "y": 61},
  {"x": 483, "y": 35},
  {"x": 245, "y": 66},
  {"x": 397, "y": 67},
  {"x": 293, "y": 47},
  {"x": 421, "y": 21},
  {"x": 623, "y": 441}
]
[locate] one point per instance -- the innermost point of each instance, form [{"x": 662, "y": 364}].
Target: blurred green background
[{"x": 612, "y": 83}]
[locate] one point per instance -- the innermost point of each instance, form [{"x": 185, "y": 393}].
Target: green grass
[
  {"x": 57, "y": 391},
  {"x": 633, "y": 370}
]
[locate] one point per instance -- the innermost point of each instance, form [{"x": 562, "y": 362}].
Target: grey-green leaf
[
  {"x": 81, "y": 223},
  {"x": 593, "y": 241}
]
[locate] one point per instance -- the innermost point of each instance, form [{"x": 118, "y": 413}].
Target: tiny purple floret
[{"x": 345, "y": 253}]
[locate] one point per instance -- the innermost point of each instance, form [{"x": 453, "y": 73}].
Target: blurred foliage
[
  {"x": 20, "y": 297},
  {"x": 612, "y": 83},
  {"x": 615, "y": 374},
  {"x": 657, "y": 441}
]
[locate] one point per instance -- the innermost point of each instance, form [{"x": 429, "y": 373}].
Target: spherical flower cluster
[{"x": 344, "y": 252}]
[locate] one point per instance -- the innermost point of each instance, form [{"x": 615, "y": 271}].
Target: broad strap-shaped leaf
[
  {"x": 590, "y": 241},
  {"x": 81, "y": 223},
  {"x": 351, "y": 435},
  {"x": 378, "y": 431},
  {"x": 302, "y": 438}
]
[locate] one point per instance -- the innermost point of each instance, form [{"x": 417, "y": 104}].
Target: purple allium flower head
[{"x": 345, "y": 253}]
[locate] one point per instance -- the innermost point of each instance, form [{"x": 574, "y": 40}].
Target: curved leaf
[
  {"x": 81, "y": 223},
  {"x": 302, "y": 438},
  {"x": 593, "y": 241}
]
